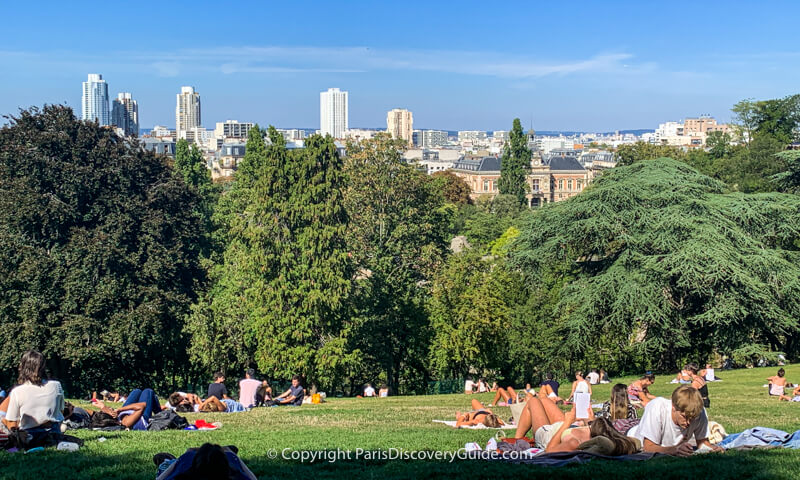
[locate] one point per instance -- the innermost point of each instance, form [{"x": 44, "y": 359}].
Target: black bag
[
  {"x": 103, "y": 420},
  {"x": 167, "y": 420}
]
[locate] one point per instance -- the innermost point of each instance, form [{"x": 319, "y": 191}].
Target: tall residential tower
[
  {"x": 125, "y": 114},
  {"x": 187, "y": 111},
  {"x": 400, "y": 125},
  {"x": 333, "y": 119},
  {"x": 94, "y": 103}
]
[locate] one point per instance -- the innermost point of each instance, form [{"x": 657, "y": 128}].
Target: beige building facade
[{"x": 400, "y": 124}]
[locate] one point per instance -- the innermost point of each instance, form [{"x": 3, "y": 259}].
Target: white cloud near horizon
[{"x": 231, "y": 60}]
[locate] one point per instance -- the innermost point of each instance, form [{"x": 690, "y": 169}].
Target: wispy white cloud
[{"x": 232, "y": 60}]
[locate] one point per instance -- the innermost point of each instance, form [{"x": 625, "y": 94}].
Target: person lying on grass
[
  {"x": 182, "y": 402},
  {"x": 777, "y": 385},
  {"x": 580, "y": 385},
  {"x": 509, "y": 395},
  {"x": 550, "y": 388},
  {"x": 129, "y": 416},
  {"x": 226, "y": 405},
  {"x": 603, "y": 438},
  {"x": 637, "y": 391},
  {"x": 478, "y": 416},
  {"x": 544, "y": 419},
  {"x": 668, "y": 425}
]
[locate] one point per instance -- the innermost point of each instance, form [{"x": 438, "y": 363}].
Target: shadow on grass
[{"x": 137, "y": 464}]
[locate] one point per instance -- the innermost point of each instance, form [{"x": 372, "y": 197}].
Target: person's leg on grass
[
  {"x": 149, "y": 397},
  {"x": 533, "y": 417},
  {"x": 133, "y": 397},
  {"x": 512, "y": 395},
  {"x": 497, "y": 396},
  {"x": 554, "y": 414},
  {"x": 476, "y": 405}
]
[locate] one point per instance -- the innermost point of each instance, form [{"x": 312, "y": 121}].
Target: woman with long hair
[
  {"x": 637, "y": 391},
  {"x": 479, "y": 415},
  {"x": 36, "y": 404},
  {"x": 618, "y": 407}
]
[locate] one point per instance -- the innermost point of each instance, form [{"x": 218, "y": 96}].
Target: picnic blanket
[
  {"x": 558, "y": 459},
  {"x": 452, "y": 423}
]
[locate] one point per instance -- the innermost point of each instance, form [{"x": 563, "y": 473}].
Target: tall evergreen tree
[
  {"x": 515, "y": 164},
  {"x": 191, "y": 166}
]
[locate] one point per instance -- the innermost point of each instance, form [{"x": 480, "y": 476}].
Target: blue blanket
[{"x": 762, "y": 437}]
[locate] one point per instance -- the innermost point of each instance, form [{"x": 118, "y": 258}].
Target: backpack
[{"x": 167, "y": 420}]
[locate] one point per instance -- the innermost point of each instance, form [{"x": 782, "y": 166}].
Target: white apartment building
[
  {"x": 125, "y": 114},
  {"x": 359, "y": 134},
  {"x": 232, "y": 129},
  {"x": 187, "y": 111},
  {"x": 669, "y": 129},
  {"x": 548, "y": 144},
  {"x": 292, "y": 134},
  {"x": 94, "y": 100},
  {"x": 474, "y": 136},
  {"x": 400, "y": 125},
  {"x": 160, "y": 131},
  {"x": 333, "y": 117},
  {"x": 500, "y": 135},
  {"x": 433, "y": 138}
]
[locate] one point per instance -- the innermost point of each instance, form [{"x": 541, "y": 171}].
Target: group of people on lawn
[{"x": 674, "y": 426}]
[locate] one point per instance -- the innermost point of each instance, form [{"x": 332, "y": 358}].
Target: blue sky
[{"x": 455, "y": 65}]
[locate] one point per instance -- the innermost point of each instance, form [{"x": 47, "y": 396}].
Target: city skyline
[{"x": 618, "y": 68}]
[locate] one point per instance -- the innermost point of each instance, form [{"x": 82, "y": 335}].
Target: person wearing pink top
[{"x": 247, "y": 389}]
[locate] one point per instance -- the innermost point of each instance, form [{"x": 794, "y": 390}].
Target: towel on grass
[
  {"x": 558, "y": 459},
  {"x": 452, "y": 423}
]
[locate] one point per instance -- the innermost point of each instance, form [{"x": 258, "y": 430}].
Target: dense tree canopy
[
  {"x": 660, "y": 263},
  {"x": 98, "y": 259}
]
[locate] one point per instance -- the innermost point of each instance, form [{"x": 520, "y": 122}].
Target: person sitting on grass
[
  {"x": 479, "y": 415},
  {"x": 482, "y": 386},
  {"x": 263, "y": 393},
  {"x": 604, "y": 376},
  {"x": 369, "y": 391},
  {"x": 35, "y": 405},
  {"x": 637, "y": 391},
  {"x": 777, "y": 385},
  {"x": 248, "y": 387},
  {"x": 593, "y": 377},
  {"x": 383, "y": 391},
  {"x": 618, "y": 407},
  {"x": 668, "y": 425},
  {"x": 580, "y": 385},
  {"x": 796, "y": 393},
  {"x": 218, "y": 389},
  {"x": 698, "y": 382},
  {"x": 293, "y": 396},
  {"x": 494, "y": 387},
  {"x": 509, "y": 396},
  {"x": 684, "y": 376},
  {"x": 529, "y": 389},
  {"x": 469, "y": 386},
  {"x": 207, "y": 462}
]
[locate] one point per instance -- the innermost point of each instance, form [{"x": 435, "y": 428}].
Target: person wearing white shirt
[
  {"x": 35, "y": 403},
  {"x": 369, "y": 391},
  {"x": 593, "y": 377},
  {"x": 469, "y": 386},
  {"x": 667, "y": 426}
]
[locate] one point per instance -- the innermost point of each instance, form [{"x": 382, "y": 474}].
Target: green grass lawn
[{"x": 738, "y": 402}]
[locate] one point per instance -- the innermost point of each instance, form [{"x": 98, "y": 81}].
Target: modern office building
[
  {"x": 94, "y": 102},
  {"x": 400, "y": 125},
  {"x": 187, "y": 111},
  {"x": 333, "y": 118},
  {"x": 433, "y": 138},
  {"x": 125, "y": 114}
]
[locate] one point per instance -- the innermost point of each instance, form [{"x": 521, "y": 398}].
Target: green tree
[
  {"x": 98, "y": 258},
  {"x": 515, "y": 164},
  {"x": 471, "y": 305},
  {"x": 778, "y": 118},
  {"x": 659, "y": 263},
  {"x": 280, "y": 294},
  {"x": 789, "y": 180},
  {"x": 719, "y": 144},
  {"x": 397, "y": 237},
  {"x": 454, "y": 188},
  {"x": 631, "y": 153}
]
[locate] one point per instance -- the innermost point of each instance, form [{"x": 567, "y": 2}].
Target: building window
[
  {"x": 536, "y": 185},
  {"x": 569, "y": 184},
  {"x": 579, "y": 184},
  {"x": 486, "y": 185},
  {"x": 561, "y": 185}
]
